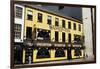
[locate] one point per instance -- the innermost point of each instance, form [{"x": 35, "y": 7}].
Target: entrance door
[
  {"x": 18, "y": 54},
  {"x": 29, "y": 32},
  {"x": 29, "y": 55},
  {"x": 69, "y": 38},
  {"x": 69, "y": 54}
]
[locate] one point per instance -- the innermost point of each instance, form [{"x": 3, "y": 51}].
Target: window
[
  {"x": 56, "y": 22},
  {"x": 63, "y": 23},
  {"x": 43, "y": 35},
  {"x": 43, "y": 53},
  {"x": 56, "y": 36},
  {"x": 69, "y": 25},
  {"x": 77, "y": 52},
  {"x": 59, "y": 53},
  {"x": 79, "y": 27},
  {"x": 39, "y": 17},
  {"x": 74, "y": 26},
  {"x": 49, "y": 20},
  {"x": 63, "y": 37},
  {"x": 18, "y": 12},
  {"x": 17, "y": 31},
  {"x": 77, "y": 39},
  {"x": 29, "y": 15},
  {"x": 69, "y": 37}
]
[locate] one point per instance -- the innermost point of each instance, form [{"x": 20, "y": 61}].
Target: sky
[{"x": 75, "y": 12}]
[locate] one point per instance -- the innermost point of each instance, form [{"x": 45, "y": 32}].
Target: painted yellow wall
[
  {"x": 44, "y": 25},
  {"x": 23, "y": 59}
]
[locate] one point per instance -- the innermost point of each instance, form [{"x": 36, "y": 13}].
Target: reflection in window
[
  {"x": 59, "y": 53},
  {"x": 43, "y": 53}
]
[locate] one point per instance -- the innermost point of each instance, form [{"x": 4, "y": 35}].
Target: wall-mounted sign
[{"x": 52, "y": 27}]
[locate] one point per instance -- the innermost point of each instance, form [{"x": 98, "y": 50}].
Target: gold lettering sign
[
  {"x": 59, "y": 28},
  {"x": 76, "y": 45},
  {"x": 43, "y": 44},
  {"x": 60, "y": 45}
]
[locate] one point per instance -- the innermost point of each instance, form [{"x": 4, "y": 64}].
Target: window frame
[
  {"x": 74, "y": 26},
  {"x": 56, "y": 21},
  {"x": 19, "y": 12},
  {"x": 69, "y": 24},
  {"x": 49, "y": 18},
  {"x": 17, "y": 31},
  {"x": 63, "y": 24},
  {"x": 79, "y": 27},
  {"x": 30, "y": 13},
  {"x": 40, "y": 17}
]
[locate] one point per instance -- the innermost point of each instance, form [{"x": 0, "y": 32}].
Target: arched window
[
  {"x": 59, "y": 53},
  {"x": 43, "y": 53}
]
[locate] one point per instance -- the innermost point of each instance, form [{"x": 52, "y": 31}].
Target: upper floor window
[
  {"x": 74, "y": 26},
  {"x": 49, "y": 19},
  {"x": 39, "y": 17},
  {"x": 63, "y": 37},
  {"x": 56, "y": 22},
  {"x": 79, "y": 27},
  {"x": 29, "y": 15},
  {"x": 63, "y": 23},
  {"x": 17, "y": 31},
  {"x": 18, "y": 12},
  {"x": 69, "y": 25},
  {"x": 56, "y": 36}
]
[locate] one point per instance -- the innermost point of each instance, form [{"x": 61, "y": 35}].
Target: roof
[{"x": 51, "y": 12}]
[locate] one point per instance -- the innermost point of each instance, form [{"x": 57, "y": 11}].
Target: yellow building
[{"x": 51, "y": 36}]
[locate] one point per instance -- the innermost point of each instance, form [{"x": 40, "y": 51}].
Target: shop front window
[
  {"x": 77, "y": 52},
  {"x": 59, "y": 53},
  {"x": 43, "y": 53}
]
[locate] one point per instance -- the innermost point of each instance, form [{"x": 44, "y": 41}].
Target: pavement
[{"x": 89, "y": 59}]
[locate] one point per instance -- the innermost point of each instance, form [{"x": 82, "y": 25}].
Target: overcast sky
[{"x": 75, "y": 12}]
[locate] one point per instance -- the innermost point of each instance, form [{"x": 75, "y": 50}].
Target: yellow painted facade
[{"x": 35, "y": 24}]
